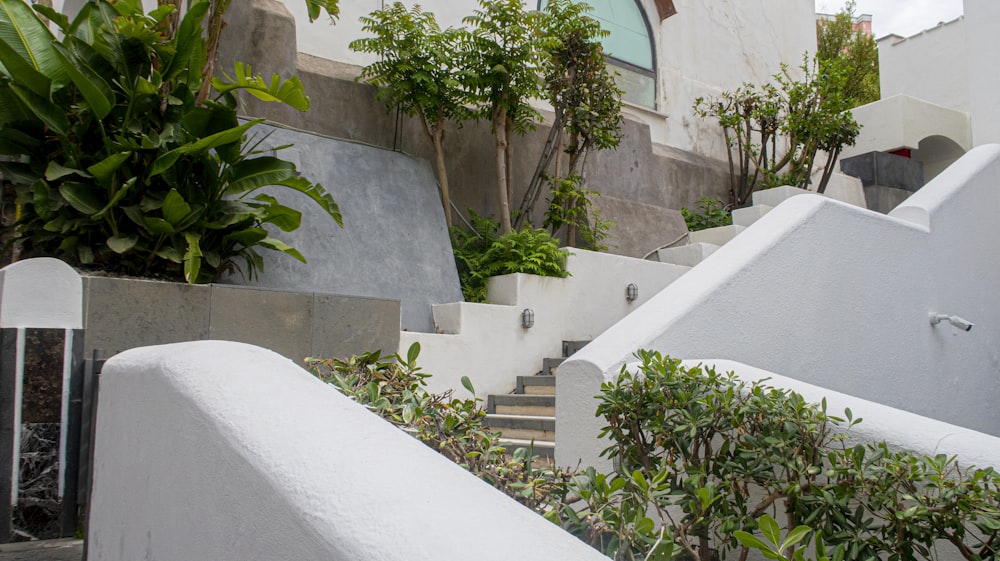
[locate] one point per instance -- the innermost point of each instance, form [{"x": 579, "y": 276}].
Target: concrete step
[
  {"x": 570, "y": 347},
  {"x": 523, "y": 427},
  {"x": 536, "y": 385},
  {"x": 513, "y": 404},
  {"x": 686, "y": 255},
  {"x": 747, "y": 216},
  {"x": 549, "y": 365},
  {"x": 717, "y": 236}
]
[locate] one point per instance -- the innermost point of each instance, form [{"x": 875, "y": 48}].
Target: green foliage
[
  {"x": 774, "y": 132},
  {"x": 837, "y": 40},
  {"x": 713, "y": 214},
  {"x": 114, "y": 163},
  {"x": 419, "y": 71},
  {"x": 728, "y": 452},
  {"x": 571, "y": 207},
  {"x": 483, "y": 253},
  {"x": 395, "y": 389}
]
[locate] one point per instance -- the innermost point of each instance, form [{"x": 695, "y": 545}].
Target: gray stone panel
[
  {"x": 639, "y": 228},
  {"x": 888, "y": 179},
  {"x": 394, "y": 243},
  {"x": 280, "y": 321},
  {"x": 124, "y": 313},
  {"x": 345, "y": 326}
]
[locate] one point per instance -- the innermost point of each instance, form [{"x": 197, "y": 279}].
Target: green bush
[
  {"x": 713, "y": 214},
  {"x": 482, "y": 253},
  {"x": 116, "y": 165}
]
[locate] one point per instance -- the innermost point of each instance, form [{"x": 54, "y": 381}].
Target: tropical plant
[
  {"x": 115, "y": 164},
  {"x": 503, "y": 73},
  {"x": 587, "y": 105},
  {"x": 418, "y": 71},
  {"x": 838, "y": 39},
  {"x": 483, "y": 253},
  {"x": 775, "y": 132},
  {"x": 571, "y": 207},
  {"x": 713, "y": 213}
]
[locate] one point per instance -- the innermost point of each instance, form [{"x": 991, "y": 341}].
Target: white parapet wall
[
  {"x": 229, "y": 452},
  {"x": 838, "y": 297},
  {"x": 487, "y": 342}
]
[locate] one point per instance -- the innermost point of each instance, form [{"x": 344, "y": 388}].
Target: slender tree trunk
[
  {"x": 216, "y": 24},
  {"x": 509, "y": 156},
  {"x": 503, "y": 201},
  {"x": 437, "y": 139}
]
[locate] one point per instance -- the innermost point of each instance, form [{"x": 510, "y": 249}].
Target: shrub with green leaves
[
  {"x": 117, "y": 166},
  {"x": 712, "y": 214},
  {"x": 482, "y": 253}
]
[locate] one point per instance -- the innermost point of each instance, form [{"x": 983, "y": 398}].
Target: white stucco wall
[
  {"x": 225, "y": 451},
  {"x": 929, "y": 65},
  {"x": 487, "y": 343},
  {"x": 840, "y": 297},
  {"x": 42, "y": 292},
  {"x": 983, "y": 22},
  {"x": 707, "y": 47}
]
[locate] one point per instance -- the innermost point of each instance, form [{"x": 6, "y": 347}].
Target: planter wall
[{"x": 120, "y": 314}]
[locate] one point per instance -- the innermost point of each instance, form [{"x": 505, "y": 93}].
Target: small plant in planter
[{"x": 117, "y": 166}]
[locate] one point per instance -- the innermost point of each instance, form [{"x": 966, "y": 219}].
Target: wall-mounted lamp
[
  {"x": 953, "y": 320},
  {"x": 527, "y": 318},
  {"x": 631, "y": 292}
]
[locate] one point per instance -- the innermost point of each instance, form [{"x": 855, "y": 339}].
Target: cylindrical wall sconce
[
  {"x": 527, "y": 318},
  {"x": 631, "y": 292}
]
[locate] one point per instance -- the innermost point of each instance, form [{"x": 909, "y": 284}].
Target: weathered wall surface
[
  {"x": 121, "y": 314},
  {"x": 842, "y": 298},
  {"x": 636, "y": 176},
  {"x": 929, "y": 65},
  {"x": 394, "y": 243},
  {"x": 224, "y": 451}
]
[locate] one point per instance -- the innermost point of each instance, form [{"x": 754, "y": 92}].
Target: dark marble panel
[
  {"x": 44, "y": 350},
  {"x": 38, "y": 512},
  {"x": 8, "y": 353}
]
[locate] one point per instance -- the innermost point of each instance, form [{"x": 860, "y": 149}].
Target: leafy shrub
[
  {"x": 482, "y": 253},
  {"x": 117, "y": 166},
  {"x": 713, "y": 214},
  {"x": 395, "y": 389},
  {"x": 570, "y": 206}
]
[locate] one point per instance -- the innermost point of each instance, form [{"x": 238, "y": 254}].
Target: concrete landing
[{"x": 45, "y": 550}]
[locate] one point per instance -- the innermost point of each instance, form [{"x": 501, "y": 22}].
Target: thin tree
[
  {"x": 418, "y": 71},
  {"x": 837, "y": 39},
  {"x": 504, "y": 64}
]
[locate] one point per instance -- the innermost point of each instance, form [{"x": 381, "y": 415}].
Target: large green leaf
[
  {"x": 21, "y": 28},
  {"x": 168, "y": 159},
  {"x": 271, "y": 212},
  {"x": 118, "y": 196},
  {"x": 192, "y": 257},
  {"x": 22, "y": 71},
  {"x": 257, "y": 172},
  {"x": 12, "y": 110},
  {"x": 49, "y": 113},
  {"x": 92, "y": 86},
  {"x": 281, "y": 246},
  {"x": 105, "y": 169},
  {"x": 175, "y": 208},
  {"x": 82, "y": 197},
  {"x": 317, "y": 193},
  {"x": 187, "y": 41},
  {"x": 291, "y": 92},
  {"x": 121, "y": 244}
]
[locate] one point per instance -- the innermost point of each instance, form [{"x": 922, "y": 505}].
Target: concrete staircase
[{"x": 526, "y": 418}]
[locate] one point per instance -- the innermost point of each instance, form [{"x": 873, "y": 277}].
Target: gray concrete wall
[
  {"x": 121, "y": 314},
  {"x": 638, "y": 172}
]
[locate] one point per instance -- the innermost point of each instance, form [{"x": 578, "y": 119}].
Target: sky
[{"x": 902, "y": 17}]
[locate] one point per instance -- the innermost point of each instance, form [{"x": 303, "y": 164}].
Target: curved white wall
[
  {"x": 839, "y": 297},
  {"x": 225, "y": 451}
]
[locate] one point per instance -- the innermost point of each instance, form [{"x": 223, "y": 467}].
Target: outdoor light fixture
[
  {"x": 954, "y": 320},
  {"x": 631, "y": 292},
  {"x": 527, "y": 318}
]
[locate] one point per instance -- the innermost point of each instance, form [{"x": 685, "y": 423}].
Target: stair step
[
  {"x": 747, "y": 216},
  {"x": 570, "y": 347},
  {"x": 536, "y": 385},
  {"x": 717, "y": 236},
  {"x": 549, "y": 365},
  {"x": 544, "y": 449},
  {"x": 686, "y": 255},
  {"x": 514, "y": 404},
  {"x": 523, "y": 427}
]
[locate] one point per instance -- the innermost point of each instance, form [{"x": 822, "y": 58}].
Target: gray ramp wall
[{"x": 394, "y": 243}]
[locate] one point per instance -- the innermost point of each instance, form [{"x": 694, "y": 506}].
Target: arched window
[{"x": 629, "y": 46}]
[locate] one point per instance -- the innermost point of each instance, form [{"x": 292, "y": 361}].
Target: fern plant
[{"x": 481, "y": 254}]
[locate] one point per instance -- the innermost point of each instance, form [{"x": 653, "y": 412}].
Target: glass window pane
[{"x": 629, "y": 39}]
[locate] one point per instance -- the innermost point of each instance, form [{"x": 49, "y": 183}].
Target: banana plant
[{"x": 117, "y": 166}]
